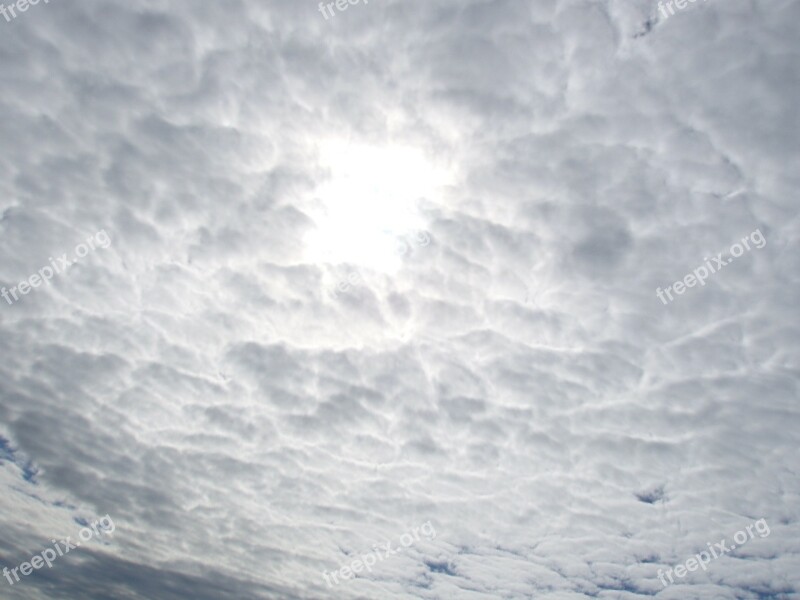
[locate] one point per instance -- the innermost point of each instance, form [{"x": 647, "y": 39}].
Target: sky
[{"x": 435, "y": 299}]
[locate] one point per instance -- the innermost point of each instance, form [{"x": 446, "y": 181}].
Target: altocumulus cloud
[{"x": 515, "y": 382}]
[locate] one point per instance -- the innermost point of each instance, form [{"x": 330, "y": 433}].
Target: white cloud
[{"x": 515, "y": 381}]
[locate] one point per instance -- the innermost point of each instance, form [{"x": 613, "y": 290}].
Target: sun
[{"x": 370, "y": 202}]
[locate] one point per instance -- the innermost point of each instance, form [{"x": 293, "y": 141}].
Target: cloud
[{"x": 515, "y": 380}]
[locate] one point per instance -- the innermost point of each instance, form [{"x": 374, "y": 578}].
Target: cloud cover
[{"x": 516, "y": 382}]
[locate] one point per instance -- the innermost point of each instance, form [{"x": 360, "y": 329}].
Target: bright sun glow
[{"x": 370, "y": 203}]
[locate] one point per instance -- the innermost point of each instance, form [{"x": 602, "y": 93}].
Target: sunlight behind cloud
[{"x": 370, "y": 201}]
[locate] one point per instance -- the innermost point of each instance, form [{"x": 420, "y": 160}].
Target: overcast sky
[{"x": 340, "y": 274}]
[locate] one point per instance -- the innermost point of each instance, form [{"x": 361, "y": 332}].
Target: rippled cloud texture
[{"x": 250, "y": 423}]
